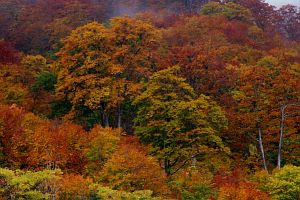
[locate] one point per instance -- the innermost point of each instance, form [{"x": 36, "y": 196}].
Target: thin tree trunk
[
  {"x": 194, "y": 161},
  {"x": 166, "y": 161},
  {"x": 280, "y": 136},
  {"x": 106, "y": 121},
  {"x": 261, "y": 147},
  {"x": 102, "y": 122},
  {"x": 167, "y": 167},
  {"x": 258, "y": 126},
  {"x": 119, "y": 117},
  {"x": 282, "y": 116}
]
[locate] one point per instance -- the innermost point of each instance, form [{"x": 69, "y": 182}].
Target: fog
[{"x": 279, "y": 3}]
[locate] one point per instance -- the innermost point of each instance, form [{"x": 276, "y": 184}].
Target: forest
[{"x": 149, "y": 100}]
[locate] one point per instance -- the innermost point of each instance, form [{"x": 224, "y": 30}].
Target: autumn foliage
[
  {"x": 130, "y": 169},
  {"x": 235, "y": 186},
  {"x": 148, "y": 99}
]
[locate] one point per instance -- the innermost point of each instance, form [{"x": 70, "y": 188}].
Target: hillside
[{"x": 149, "y": 99}]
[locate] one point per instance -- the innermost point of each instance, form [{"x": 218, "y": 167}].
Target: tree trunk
[
  {"x": 106, "y": 120},
  {"x": 261, "y": 147},
  {"x": 280, "y": 136},
  {"x": 167, "y": 167},
  {"x": 119, "y": 117},
  {"x": 194, "y": 161},
  {"x": 282, "y": 116}
]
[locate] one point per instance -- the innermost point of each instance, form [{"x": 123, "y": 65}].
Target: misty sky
[{"x": 279, "y": 3}]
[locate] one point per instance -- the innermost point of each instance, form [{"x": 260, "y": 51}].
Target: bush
[
  {"x": 106, "y": 193},
  {"x": 285, "y": 184},
  {"x": 27, "y": 185}
]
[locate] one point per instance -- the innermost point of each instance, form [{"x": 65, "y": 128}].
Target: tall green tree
[{"x": 180, "y": 126}]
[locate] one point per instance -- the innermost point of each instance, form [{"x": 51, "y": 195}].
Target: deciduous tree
[
  {"x": 179, "y": 126},
  {"x": 131, "y": 169}
]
